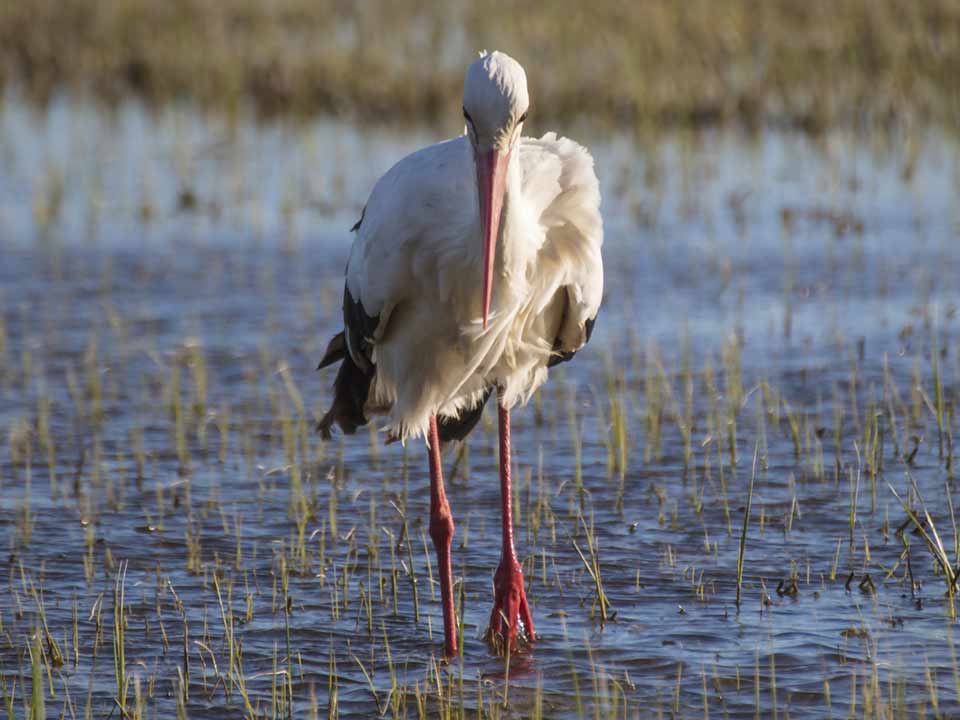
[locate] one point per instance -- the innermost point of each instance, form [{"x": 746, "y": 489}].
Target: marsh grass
[
  {"x": 927, "y": 529},
  {"x": 592, "y": 566},
  {"x": 808, "y": 65},
  {"x": 746, "y": 524}
]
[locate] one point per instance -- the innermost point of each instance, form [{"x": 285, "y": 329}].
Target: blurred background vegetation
[{"x": 805, "y": 63}]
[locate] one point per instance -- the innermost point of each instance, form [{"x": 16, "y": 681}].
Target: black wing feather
[
  {"x": 359, "y": 328},
  {"x": 350, "y": 391},
  {"x": 559, "y": 354},
  {"x": 336, "y": 351},
  {"x": 358, "y": 223},
  {"x": 458, "y": 428},
  {"x": 352, "y": 348}
]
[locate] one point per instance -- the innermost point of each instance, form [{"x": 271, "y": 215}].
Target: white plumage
[{"x": 417, "y": 263}]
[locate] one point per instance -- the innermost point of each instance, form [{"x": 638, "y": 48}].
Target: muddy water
[{"x": 168, "y": 281}]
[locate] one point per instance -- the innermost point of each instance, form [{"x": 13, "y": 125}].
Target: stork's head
[{"x": 494, "y": 107}]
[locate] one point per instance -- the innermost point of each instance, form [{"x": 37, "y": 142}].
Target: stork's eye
[{"x": 522, "y": 118}]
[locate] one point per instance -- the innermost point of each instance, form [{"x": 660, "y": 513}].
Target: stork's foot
[{"x": 510, "y": 609}]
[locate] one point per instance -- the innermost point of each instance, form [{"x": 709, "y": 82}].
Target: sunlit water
[{"x": 133, "y": 243}]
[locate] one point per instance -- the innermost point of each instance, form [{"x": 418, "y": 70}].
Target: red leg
[
  {"x": 441, "y": 531},
  {"x": 510, "y": 605}
]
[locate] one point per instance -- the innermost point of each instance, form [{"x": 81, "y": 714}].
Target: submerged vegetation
[{"x": 806, "y": 64}]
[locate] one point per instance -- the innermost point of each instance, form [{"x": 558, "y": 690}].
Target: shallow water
[{"x": 168, "y": 282}]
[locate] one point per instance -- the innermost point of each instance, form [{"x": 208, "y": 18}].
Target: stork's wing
[
  {"x": 560, "y": 185},
  {"x": 402, "y": 242},
  {"x": 414, "y": 211}
]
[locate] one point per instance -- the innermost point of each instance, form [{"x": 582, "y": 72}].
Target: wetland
[{"x": 737, "y": 501}]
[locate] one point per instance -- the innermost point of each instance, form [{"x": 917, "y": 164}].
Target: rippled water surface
[{"x": 778, "y": 308}]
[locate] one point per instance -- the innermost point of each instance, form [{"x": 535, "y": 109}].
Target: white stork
[{"x": 476, "y": 265}]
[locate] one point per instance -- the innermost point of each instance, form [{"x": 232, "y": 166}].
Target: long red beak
[{"x": 491, "y": 175}]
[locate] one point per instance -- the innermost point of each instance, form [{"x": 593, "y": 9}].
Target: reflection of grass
[{"x": 698, "y": 62}]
